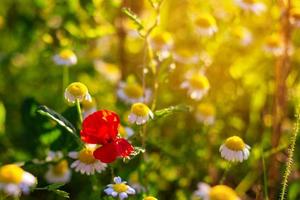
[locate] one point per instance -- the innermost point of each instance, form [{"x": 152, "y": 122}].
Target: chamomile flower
[
  {"x": 218, "y": 192},
  {"x": 66, "y": 57},
  {"x": 197, "y": 85},
  {"x": 234, "y": 149},
  {"x": 149, "y": 198},
  {"x": 140, "y": 114},
  {"x": 125, "y": 132},
  {"x": 243, "y": 35},
  {"x": 274, "y": 45},
  {"x": 205, "y": 113},
  {"x": 77, "y": 91},
  {"x": 132, "y": 92},
  {"x": 109, "y": 71},
  {"x": 206, "y": 25},
  {"x": 88, "y": 107},
  {"x": 254, "y": 6},
  {"x": 14, "y": 180},
  {"x": 186, "y": 56},
  {"x": 162, "y": 43},
  {"x": 58, "y": 173},
  {"x": 295, "y": 17},
  {"x": 119, "y": 189},
  {"x": 54, "y": 156},
  {"x": 86, "y": 163}
]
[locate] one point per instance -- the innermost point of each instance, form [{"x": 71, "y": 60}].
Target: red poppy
[{"x": 101, "y": 127}]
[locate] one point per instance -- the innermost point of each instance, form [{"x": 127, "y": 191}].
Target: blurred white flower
[
  {"x": 58, "y": 173},
  {"x": 66, "y": 57},
  {"x": 140, "y": 114},
  {"x": 119, "y": 189}
]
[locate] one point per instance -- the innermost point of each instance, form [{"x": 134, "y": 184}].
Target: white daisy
[
  {"x": 109, "y": 71},
  {"x": 234, "y": 149},
  {"x": 162, "y": 43},
  {"x": 88, "y": 107},
  {"x": 14, "y": 180},
  {"x": 205, "y": 113},
  {"x": 218, "y": 192},
  {"x": 66, "y": 57},
  {"x": 243, "y": 35},
  {"x": 125, "y": 132},
  {"x": 58, "y": 173},
  {"x": 251, "y": 5},
  {"x": 206, "y": 25},
  {"x": 185, "y": 56},
  {"x": 86, "y": 162},
  {"x": 54, "y": 156},
  {"x": 132, "y": 92},
  {"x": 274, "y": 45},
  {"x": 295, "y": 17},
  {"x": 119, "y": 189},
  {"x": 203, "y": 191},
  {"x": 140, "y": 114},
  {"x": 77, "y": 91},
  {"x": 196, "y": 83}
]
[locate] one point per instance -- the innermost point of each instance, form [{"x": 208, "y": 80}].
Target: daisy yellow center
[
  {"x": 66, "y": 54},
  {"x": 235, "y": 143},
  {"x": 122, "y": 131},
  {"x": 120, "y": 187},
  {"x": 77, "y": 89},
  {"x": 249, "y": 1},
  {"x": 205, "y": 21},
  {"x": 199, "y": 82},
  {"x": 206, "y": 109},
  {"x": 88, "y": 104},
  {"x": 273, "y": 41},
  {"x": 60, "y": 168},
  {"x": 133, "y": 90},
  {"x": 11, "y": 174},
  {"x": 86, "y": 156},
  {"x": 150, "y": 198},
  {"x": 140, "y": 109},
  {"x": 112, "y": 69},
  {"x": 222, "y": 192},
  {"x": 239, "y": 32}
]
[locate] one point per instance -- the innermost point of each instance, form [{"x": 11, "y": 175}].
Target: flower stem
[
  {"x": 290, "y": 161},
  {"x": 79, "y": 110},
  {"x": 225, "y": 173}
]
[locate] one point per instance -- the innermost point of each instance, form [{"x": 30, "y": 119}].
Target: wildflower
[
  {"x": 140, "y": 114},
  {"x": 243, "y": 35},
  {"x": 162, "y": 43},
  {"x": 77, "y": 91},
  {"x": 109, "y": 71},
  {"x": 295, "y": 17},
  {"x": 58, "y": 173},
  {"x": 218, "y": 192},
  {"x": 274, "y": 45},
  {"x": 86, "y": 163},
  {"x": 66, "y": 57},
  {"x": 205, "y": 113},
  {"x": 125, "y": 132},
  {"x": 235, "y": 150},
  {"x": 149, "y": 198},
  {"x": 132, "y": 92},
  {"x": 14, "y": 180},
  {"x": 186, "y": 56},
  {"x": 251, "y": 5},
  {"x": 206, "y": 25},
  {"x": 120, "y": 188},
  {"x": 54, "y": 156},
  {"x": 89, "y": 107},
  {"x": 101, "y": 127},
  {"x": 197, "y": 85}
]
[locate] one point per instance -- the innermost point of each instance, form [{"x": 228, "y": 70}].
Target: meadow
[{"x": 149, "y": 99}]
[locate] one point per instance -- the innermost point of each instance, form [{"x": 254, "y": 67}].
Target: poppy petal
[
  {"x": 107, "y": 153},
  {"x": 124, "y": 148}
]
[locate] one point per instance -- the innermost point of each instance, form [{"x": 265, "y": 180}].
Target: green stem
[
  {"x": 291, "y": 150},
  {"x": 79, "y": 110},
  {"x": 228, "y": 167},
  {"x": 264, "y": 176}
]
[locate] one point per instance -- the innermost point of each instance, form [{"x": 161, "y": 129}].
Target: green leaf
[
  {"x": 49, "y": 137},
  {"x": 54, "y": 186},
  {"x": 63, "y": 122},
  {"x": 62, "y": 193},
  {"x": 172, "y": 109},
  {"x": 133, "y": 17}
]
